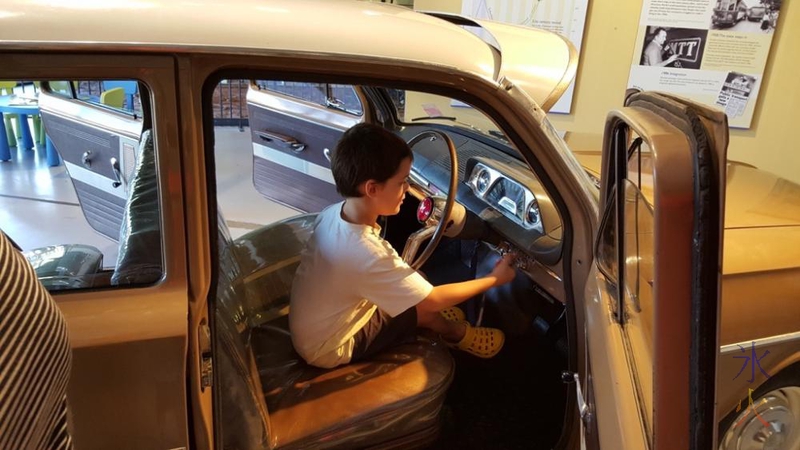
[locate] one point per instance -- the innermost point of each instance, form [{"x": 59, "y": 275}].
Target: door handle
[
  {"x": 287, "y": 141},
  {"x": 86, "y": 159},
  {"x": 327, "y": 153},
  {"x": 117, "y": 173}
]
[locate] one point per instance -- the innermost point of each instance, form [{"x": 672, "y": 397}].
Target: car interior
[{"x": 414, "y": 395}]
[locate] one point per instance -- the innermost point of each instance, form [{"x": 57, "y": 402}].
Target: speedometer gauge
[
  {"x": 482, "y": 181},
  {"x": 508, "y": 195},
  {"x": 532, "y": 214}
]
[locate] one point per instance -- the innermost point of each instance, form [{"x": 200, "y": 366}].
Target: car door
[
  {"x": 659, "y": 256},
  {"x": 294, "y": 127},
  {"x": 97, "y": 139}
]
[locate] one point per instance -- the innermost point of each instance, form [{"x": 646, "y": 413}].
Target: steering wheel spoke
[{"x": 414, "y": 242}]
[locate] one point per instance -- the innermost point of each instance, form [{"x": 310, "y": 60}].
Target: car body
[{"x": 167, "y": 333}]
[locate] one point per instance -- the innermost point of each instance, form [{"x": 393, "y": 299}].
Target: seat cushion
[{"x": 397, "y": 394}]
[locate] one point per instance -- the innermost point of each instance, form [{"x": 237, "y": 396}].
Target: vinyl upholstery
[{"x": 393, "y": 399}]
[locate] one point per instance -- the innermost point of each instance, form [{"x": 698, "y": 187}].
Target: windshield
[
  {"x": 416, "y": 108},
  {"x": 421, "y": 107}
]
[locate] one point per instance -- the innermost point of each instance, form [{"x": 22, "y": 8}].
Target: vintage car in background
[
  {"x": 182, "y": 342},
  {"x": 756, "y": 13}
]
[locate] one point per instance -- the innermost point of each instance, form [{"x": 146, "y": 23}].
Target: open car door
[
  {"x": 660, "y": 249},
  {"x": 294, "y": 128},
  {"x": 97, "y": 138}
]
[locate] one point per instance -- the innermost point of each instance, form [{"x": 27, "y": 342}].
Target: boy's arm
[{"x": 448, "y": 295}]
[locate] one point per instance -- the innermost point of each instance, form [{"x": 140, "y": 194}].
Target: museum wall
[{"x": 611, "y": 28}]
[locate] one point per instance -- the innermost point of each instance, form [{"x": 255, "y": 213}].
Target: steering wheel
[{"x": 433, "y": 212}]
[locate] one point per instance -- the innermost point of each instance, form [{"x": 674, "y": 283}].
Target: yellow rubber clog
[
  {"x": 481, "y": 341},
  {"x": 453, "y": 314}
]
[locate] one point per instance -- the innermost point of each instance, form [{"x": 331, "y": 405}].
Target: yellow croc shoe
[
  {"x": 453, "y": 314},
  {"x": 481, "y": 341}
]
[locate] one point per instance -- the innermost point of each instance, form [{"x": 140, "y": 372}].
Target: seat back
[
  {"x": 139, "y": 257},
  {"x": 254, "y": 281}
]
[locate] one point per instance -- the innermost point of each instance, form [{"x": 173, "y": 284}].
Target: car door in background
[
  {"x": 96, "y": 133},
  {"x": 294, "y": 127}
]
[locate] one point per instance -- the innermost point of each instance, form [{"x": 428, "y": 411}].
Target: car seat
[{"x": 390, "y": 401}]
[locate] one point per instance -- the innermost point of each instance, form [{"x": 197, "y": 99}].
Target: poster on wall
[
  {"x": 565, "y": 17},
  {"x": 711, "y": 51}
]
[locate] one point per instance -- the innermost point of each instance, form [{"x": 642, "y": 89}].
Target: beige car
[{"x": 177, "y": 297}]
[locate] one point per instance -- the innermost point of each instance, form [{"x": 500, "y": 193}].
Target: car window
[
  {"x": 117, "y": 95},
  {"x": 625, "y": 246},
  {"x": 82, "y": 186},
  {"x": 334, "y": 96}
]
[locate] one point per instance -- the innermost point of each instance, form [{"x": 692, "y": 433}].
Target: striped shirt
[{"x": 35, "y": 359}]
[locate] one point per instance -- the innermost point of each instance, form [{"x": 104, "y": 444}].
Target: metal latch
[
  {"x": 583, "y": 407},
  {"x": 206, "y": 364}
]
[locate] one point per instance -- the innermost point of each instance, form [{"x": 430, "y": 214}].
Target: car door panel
[
  {"x": 292, "y": 140},
  {"x": 667, "y": 253},
  {"x": 99, "y": 152}
]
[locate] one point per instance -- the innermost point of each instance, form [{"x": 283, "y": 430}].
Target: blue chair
[
  {"x": 7, "y": 88},
  {"x": 129, "y": 86}
]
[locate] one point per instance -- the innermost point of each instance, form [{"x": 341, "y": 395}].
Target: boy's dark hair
[{"x": 366, "y": 152}]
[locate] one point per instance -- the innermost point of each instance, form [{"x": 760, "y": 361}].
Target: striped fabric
[{"x": 34, "y": 359}]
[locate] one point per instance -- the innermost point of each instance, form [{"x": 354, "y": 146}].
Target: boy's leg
[
  {"x": 383, "y": 331},
  {"x": 433, "y": 320}
]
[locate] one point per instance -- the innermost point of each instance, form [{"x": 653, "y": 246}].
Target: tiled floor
[{"x": 39, "y": 207}]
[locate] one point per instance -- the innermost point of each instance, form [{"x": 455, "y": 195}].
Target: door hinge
[
  {"x": 206, "y": 363},
  {"x": 584, "y": 409}
]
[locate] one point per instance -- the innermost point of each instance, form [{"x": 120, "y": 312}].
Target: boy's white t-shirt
[{"x": 346, "y": 271}]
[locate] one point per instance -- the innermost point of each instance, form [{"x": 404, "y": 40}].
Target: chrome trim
[
  {"x": 504, "y": 207},
  {"x": 301, "y": 109},
  {"x": 419, "y": 179},
  {"x": 95, "y": 180},
  {"x": 293, "y": 162},
  {"x": 758, "y": 342},
  {"x": 414, "y": 241}
]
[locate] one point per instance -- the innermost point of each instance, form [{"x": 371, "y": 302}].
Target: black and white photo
[{"x": 673, "y": 47}]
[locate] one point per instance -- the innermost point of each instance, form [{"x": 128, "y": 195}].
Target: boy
[{"x": 353, "y": 295}]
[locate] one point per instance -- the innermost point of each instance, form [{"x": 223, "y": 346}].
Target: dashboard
[
  {"x": 506, "y": 195},
  {"x": 495, "y": 186}
]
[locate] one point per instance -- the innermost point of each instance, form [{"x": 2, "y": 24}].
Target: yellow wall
[{"x": 611, "y": 26}]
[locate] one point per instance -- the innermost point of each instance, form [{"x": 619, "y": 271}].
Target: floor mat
[{"x": 513, "y": 401}]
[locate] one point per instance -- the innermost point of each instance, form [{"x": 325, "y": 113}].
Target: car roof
[
  {"x": 237, "y": 26},
  {"x": 330, "y": 27}
]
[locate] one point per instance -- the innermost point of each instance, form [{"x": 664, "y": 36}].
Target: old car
[
  {"x": 179, "y": 335},
  {"x": 756, "y": 13}
]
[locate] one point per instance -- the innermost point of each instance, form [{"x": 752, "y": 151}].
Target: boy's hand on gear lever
[{"x": 504, "y": 269}]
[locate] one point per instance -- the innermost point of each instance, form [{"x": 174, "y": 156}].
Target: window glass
[
  {"x": 631, "y": 226},
  {"x": 638, "y": 242},
  {"x": 81, "y": 188},
  {"x": 334, "y": 96},
  {"x": 345, "y": 96},
  {"x": 310, "y": 92}
]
